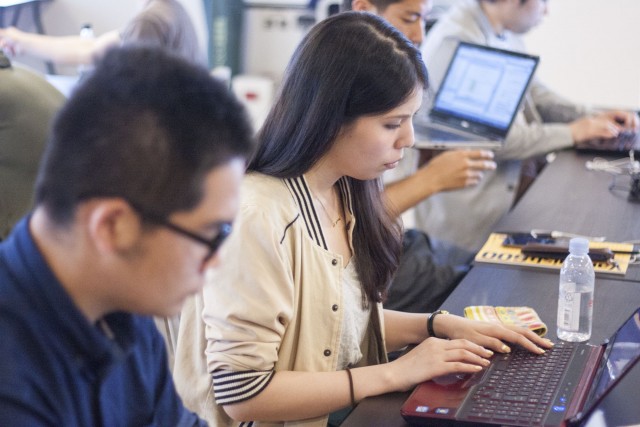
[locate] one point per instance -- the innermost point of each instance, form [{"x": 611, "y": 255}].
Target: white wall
[{"x": 590, "y": 51}]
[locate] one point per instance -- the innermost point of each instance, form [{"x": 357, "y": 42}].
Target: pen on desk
[
  {"x": 634, "y": 251},
  {"x": 563, "y": 234}
]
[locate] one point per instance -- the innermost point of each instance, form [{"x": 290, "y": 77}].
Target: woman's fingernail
[
  {"x": 489, "y": 352},
  {"x": 505, "y": 348}
]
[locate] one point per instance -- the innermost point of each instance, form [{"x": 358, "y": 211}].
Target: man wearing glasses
[{"x": 135, "y": 195}]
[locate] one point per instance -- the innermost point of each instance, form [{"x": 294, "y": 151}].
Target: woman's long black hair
[{"x": 350, "y": 65}]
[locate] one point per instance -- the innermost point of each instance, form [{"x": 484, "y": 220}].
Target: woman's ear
[{"x": 113, "y": 225}]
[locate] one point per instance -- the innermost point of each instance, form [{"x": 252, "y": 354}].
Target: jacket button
[
  {"x": 327, "y": 352},
  {"x": 334, "y": 262},
  {"x": 334, "y": 307}
]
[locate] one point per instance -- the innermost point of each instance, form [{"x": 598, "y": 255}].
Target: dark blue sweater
[{"x": 57, "y": 369}]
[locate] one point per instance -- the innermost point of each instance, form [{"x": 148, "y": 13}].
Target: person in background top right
[{"x": 547, "y": 122}]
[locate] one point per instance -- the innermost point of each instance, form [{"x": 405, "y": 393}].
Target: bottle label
[{"x": 569, "y": 311}]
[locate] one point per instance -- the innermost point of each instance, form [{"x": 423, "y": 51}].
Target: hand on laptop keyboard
[
  {"x": 493, "y": 336},
  {"x": 605, "y": 125},
  {"x": 467, "y": 349}
]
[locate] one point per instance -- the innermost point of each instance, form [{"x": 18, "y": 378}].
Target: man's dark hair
[{"x": 146, "y": 126}]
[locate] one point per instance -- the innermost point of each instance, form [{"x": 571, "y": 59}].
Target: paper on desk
[{"x": 493, "y": 252}]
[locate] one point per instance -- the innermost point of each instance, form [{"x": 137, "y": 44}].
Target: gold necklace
[{"x": 333, "y": 223}]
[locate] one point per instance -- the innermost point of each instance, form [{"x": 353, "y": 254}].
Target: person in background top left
[
  {"x": 136, "y": 192},
  {"x": 28, "y": 103},
  {"x": 162, "y": 23}
]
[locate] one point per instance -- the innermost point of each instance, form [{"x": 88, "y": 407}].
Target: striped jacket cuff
[{"x": 233, "y": 387}]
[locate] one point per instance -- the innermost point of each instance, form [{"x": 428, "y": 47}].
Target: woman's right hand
[{"x": 435, "y": 357}]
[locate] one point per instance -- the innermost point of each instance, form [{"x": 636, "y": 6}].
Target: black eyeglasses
[{"x": 213, "y": 244}]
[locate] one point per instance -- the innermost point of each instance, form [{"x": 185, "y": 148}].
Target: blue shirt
[{"x": 57, "y": 369}]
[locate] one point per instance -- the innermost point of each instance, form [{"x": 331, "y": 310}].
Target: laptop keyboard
[{"x": 521, "y": 386}]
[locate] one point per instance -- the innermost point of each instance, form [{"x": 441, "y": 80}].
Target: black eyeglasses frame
[{"x": 213, "y": 244}]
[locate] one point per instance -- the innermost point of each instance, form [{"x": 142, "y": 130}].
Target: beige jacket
[{"x": 274, "y": 304}]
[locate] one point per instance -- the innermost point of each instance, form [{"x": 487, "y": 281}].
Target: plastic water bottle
[
  {"x": 575, "y": 302},
  {"x": 86, "y": 32}
]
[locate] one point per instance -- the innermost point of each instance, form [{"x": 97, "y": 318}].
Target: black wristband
[
  {"x": 432, "y": 316},
  {"x": 351, "y": 390}
]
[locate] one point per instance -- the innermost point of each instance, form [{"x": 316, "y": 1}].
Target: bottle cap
[{"x": 578, "y": 246}]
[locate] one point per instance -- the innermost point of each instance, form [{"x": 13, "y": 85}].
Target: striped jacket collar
[{"x": 304, "y": 199}]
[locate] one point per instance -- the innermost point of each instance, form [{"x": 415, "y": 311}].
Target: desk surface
[
  {"x": 568, "y": 197},
  {"x": 565, "y": 197}
]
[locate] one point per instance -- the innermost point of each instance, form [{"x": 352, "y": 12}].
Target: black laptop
[
  {"x": 621, "y": 145},
  {"x": 561, "y": 387},
  {"x": 478, "y": 99}
]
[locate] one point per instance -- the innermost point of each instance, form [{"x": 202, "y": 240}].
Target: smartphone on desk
[{"x": 518, "y": 240}]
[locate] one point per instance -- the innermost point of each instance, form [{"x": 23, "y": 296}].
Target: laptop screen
[
  {"x": 623, "y": 351},
  {"x": 484, "y": 85}
]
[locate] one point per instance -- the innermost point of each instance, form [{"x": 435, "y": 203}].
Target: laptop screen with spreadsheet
[{"x": 484, "y": 85}]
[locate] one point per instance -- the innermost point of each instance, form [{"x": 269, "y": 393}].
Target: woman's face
[{"x": 373, "y": 144}]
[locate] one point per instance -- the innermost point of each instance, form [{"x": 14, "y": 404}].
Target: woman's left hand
[{"x": 489, "y": 335}]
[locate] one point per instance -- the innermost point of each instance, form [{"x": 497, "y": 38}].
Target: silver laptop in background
[{"x": 478, "y": 99}]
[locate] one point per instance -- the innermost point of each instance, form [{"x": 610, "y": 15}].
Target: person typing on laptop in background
[
  {"x": 422, "y": 284},
  {"x": 163, "y": 23},
  {"x": 547, "y": 122}
]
